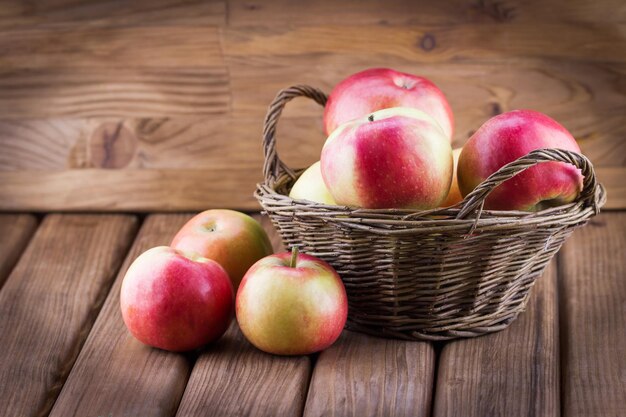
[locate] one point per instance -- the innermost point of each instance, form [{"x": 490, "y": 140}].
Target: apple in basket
[
  {"x": 508, "y": 136},
  {"x": 310, "y": 186},
  {"x": 392, "y": 158},
  {"x": 291, "y": 304},
  {"x": 233, "y": 239},
  {"x": 380, "y": 88},
  {"x": 175, "y": 300},
  {"x": 454, "y": 195}
]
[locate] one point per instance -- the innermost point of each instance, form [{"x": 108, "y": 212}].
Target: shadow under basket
[{"x": 427, "y": 275}]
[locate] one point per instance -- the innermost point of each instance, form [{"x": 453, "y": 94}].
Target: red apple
[
  {"x": 503, "y": 139},
  {"x": 233, "y": 239},
  {"x": 454, "y": 195},
  {"x": 310, "y": 186},
  {"x": 380, "y": 88},
  {"x": 176, "y": 301},
  {"x": 392, "y": 158},
  {"x": 291, "y": 305}
]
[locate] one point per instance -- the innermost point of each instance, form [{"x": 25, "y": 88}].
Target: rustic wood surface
[
  {"x": 366, "y": 376},
  {"x": 114, "y": 370},
  {"x": 592, "y": 294},
  {"x": 571, "y": 359},
  {"x": 50, "y": 301},
  {"x": 160, "y": 103},
  {"x": 514, "y": 372},
  {"x": 15, "y": 230}
]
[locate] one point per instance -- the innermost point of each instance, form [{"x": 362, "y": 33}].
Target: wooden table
[
  {"x": 120, "y": 119},
  {"x": 66, "y": 351}
]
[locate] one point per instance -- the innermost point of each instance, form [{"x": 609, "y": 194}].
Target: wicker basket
[{"x": 427, "y": 275}]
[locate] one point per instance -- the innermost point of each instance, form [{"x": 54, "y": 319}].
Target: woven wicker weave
[{"x": 428, "y": 275}]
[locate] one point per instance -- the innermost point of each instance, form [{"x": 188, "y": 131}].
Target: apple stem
[
  {"x": 370, "y": 117},
  {"x": 294, "y": 257}
]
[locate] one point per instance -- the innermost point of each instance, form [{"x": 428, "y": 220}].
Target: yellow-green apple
[
  {"x": 380, "y": 88},
  {"x": 233, "y": 239},
  {"x": 175, "y": 300},
  {"x": 291, "y": 304},
  {"x": 392, "y": 158},
  {"x": 310, "y": 186},
  {"x": 507, "y": 137},
  {"x": 454, "y": 195}
]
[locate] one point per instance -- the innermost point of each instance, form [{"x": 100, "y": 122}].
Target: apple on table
[
  {"x": 291, "y": 304},
  {"x": 175, "y": 300},
  {"x": 232, "y": 239}
]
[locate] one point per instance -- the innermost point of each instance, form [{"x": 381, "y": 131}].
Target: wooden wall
[{"x": 158, "y": 105}]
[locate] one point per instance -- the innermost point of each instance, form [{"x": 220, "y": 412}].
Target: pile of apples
[
  {"x": 389, "y": 146},
  {"x": 181, "y": 297}
]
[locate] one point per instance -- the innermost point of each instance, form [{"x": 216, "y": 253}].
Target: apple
[
  {"x": 291, "y": 304},
  {"x": 392, "y": 158},
  {"x": 379, "y": 88},
  {"x": 175, "y": 300},
  {"x": 310, "y": 186},
  {"x": 507, "y": 137},
  {"x": 233, "y": 239},
  {"x": 454, "y": 195}
]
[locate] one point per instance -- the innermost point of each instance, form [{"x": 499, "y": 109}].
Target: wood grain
[
  {"x": 113, "y": 92},
  {"x": 115, "y": 374},
  {"x": 366, "y": 376},
  {"x": 75, "y": 45},
  {"x": 514, "y": 372},
  {"x": 402, "y": 12},
  {"x": 16, "y": 231},
  {"x": 592, "y": 294},
  {"x": 19, "y": 13},
  {"x": 50, "y": 301},
  {"x": 233, "y": 378}
]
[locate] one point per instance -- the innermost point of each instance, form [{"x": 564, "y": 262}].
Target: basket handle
[
  {"x": 475, "y": 200},
  {"x": 273, "y": 167}
]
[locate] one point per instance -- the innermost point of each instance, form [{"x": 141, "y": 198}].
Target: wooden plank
[
  {"x": 592, "y": 294},
  {"x": 75, "y": 45},
  {"x": 233, "y": 378},
  {"x": 431, "y": 43},
  {"x": 50, "y": 301},
  {"x": 113, "y": 92},
  {"x": 128, "y": 190},
  {"x": 366, "y": 376},
  {"x": 16, "y": 231},
  {"x": 153, "y": 143},
  {"x": 514, "y": 372},
  {"x": 402, "y": 12},
  {"x": 18, "y": 13},
  {"x": 115, "y": 375}
]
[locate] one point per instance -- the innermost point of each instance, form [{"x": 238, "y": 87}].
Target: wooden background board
[{"x": 158, "y": 105}]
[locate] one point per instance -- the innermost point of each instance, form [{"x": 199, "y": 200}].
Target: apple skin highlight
[
  {"x": 379, "y": 88},
  {"x": 507, "y": 137}
]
